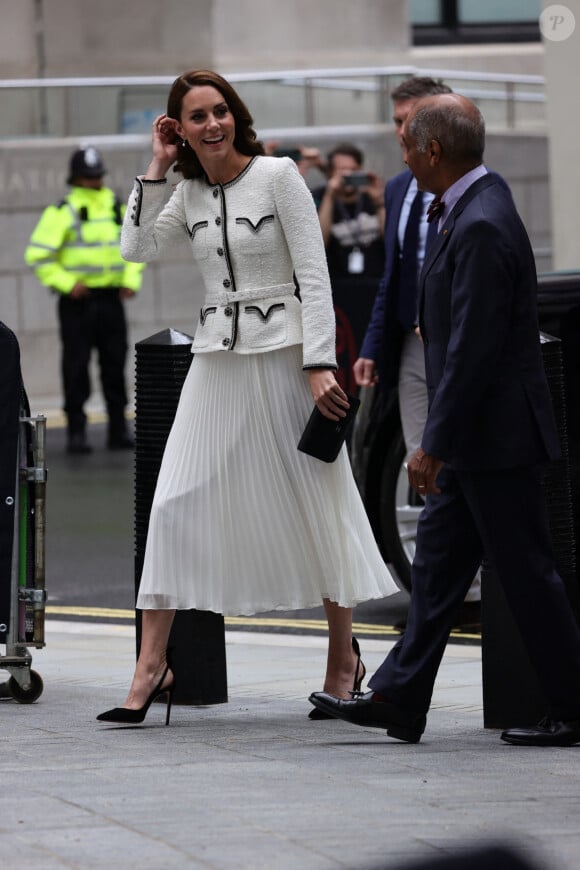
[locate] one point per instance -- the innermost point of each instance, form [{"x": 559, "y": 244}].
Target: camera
[
  {"x": 356, "y": 179},
  {"x": 293, "y": 153}
]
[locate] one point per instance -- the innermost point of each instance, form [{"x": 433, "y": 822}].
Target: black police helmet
[{"x": 86, "y": 163}]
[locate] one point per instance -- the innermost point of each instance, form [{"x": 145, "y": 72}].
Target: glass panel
[
  {"x": 345, "y": 101},
  {"x": 274, "y": 103},
  {"x": 505, "y": 104},
  {"x": 139, "y": 106},
  {"x": 92, "y": 111},
  {"x": 476, "y": 12},
  {"x": 425, "y": 12}
]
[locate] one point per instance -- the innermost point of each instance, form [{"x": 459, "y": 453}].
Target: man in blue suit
[
  {"x": 489, "y": 431},
  {"x": 393, "y": 328},
  {"x": 391, "y": 354},
  {"x": 393, "y": 323}
]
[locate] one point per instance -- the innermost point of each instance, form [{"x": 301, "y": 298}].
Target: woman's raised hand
[{"x": 165, "y": 142}]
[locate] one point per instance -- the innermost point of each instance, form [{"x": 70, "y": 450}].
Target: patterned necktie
[
  {"x": 435, "y": 210},
  {"x": 408, "y": 271}
]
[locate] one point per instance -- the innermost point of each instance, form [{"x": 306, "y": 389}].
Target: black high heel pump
[
  {"x": 133, "y": 717},
  {"x": 356, "y": 683}
]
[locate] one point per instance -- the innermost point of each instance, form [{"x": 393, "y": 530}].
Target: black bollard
[
  {"x": 197, "y": 642},
  {"x": 511, "y": 692}
]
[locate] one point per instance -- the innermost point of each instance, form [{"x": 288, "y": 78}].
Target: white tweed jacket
[{"x": 248, "y": 237}]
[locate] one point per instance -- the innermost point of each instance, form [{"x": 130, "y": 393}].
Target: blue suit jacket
[
  {"x": 489, "y": 402},
  {"x": 384, "y": 335}
]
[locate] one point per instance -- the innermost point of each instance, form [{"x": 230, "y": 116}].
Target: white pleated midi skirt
[{"x": 242, "y": 521}]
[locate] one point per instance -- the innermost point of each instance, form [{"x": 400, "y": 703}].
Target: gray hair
[{"x": 460, "y": 134}]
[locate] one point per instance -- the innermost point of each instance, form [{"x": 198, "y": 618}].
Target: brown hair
[
  {"x": 245, "y": 139},
  {"x": 345, "y": 149},
  {"x": 416, "y": 87}
]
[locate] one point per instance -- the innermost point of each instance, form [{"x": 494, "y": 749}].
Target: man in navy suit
[
  {"x": 391, "y": 354},
  {"x": 489, "y": 431}
]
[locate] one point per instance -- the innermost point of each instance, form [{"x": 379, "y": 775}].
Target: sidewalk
[{"x": 254, "y": 783}]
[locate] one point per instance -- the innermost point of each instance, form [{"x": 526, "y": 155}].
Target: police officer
[{"x": 74, "y": 251}]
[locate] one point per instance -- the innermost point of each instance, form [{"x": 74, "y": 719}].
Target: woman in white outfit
[{"x": 242, "y": 521}]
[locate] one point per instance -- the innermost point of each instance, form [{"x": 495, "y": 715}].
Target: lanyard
[{"x": 352, "y": 222}]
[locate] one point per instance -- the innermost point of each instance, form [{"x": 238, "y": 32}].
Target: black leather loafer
[
  {"x": 362, "y": 710},
  {"x": 548, "y": 732}
]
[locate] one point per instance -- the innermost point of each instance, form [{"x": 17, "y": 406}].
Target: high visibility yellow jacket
[{"x": 78, "y": 241}]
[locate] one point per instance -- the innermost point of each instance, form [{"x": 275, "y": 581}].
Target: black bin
[
  {"x": 559, "y": 314},
  {"x": 511, "y": 692},
  {"x": 196, "y": 646}
]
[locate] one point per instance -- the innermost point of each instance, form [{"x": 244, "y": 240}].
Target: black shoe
[
  {"x": 123, "y": 443},
  {"x": 363, "y": 710},
  {"x": 133, "y": 717},
  {"x": 547, "y": 732},
  {"x": 77, "y": 443},
  {"x": 317, "y": 714}
]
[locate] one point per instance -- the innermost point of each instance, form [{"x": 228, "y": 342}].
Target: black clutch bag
[{"x": 323, "y": 438}]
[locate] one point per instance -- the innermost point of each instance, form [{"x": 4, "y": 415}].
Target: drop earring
[{"x": 183, "y": 143}]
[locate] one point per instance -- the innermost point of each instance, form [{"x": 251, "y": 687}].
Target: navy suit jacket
[
  {"x": 384, "y": 336},
  {"x": 489, "y": 401},
  {"x": 383, "y": 339}
]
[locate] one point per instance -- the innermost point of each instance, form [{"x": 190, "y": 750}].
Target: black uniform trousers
[
  {"x": 502, "y": 514},
  {"x": 98, "y": 322}
]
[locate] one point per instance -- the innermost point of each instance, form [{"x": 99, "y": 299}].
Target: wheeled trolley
[{"x": 22, "y": 529}]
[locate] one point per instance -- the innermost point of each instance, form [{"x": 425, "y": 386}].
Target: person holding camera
[
  {"x": 352, "y": 218},
  {"x": 305, "y": 157}
]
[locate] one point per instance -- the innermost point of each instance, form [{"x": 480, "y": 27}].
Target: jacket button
[
  {"x": 216, "y": 193},
  {"x": 228, "y": 311},
  {"x": 227, "y": 282},
  {"x": 225, "y": 342},
  {"x": 220, "y": 252},
  {"x": 218, "y": 221}
]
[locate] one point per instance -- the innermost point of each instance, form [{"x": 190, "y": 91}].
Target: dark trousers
[
  {"x": 95, "y": 322},
  {"x": 502, "y": 514}
]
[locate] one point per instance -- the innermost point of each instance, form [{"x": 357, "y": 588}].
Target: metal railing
[{"x": 117, "y": 105}]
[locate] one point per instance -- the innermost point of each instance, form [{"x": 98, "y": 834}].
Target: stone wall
[{"x": 108, "y": 37}]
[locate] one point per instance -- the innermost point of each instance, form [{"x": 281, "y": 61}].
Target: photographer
[
  {"x": 305, "y": 158},
  {"x": 352, "y": 218}
]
